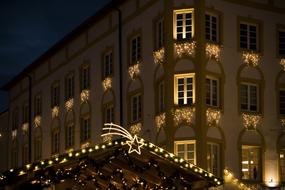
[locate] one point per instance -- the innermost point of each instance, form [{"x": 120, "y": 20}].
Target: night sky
[{"x": 30, "y": 27}]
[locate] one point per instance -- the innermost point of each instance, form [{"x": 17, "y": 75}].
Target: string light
[
  {"x": 84, "y": 95},
  {"x": 38, "y": 120},
  {"x": 213, "y": 51},
  {"x": 69, "y": 104},
  {"x": 107, "y": 83},
  {"x": 14, "y": 133},
  {"x": 185, "y": 114},
  {"x": 25, "y": 127},
  {"x": 136, "y": 128},
  {"x": 160, "y": 121},
  {"x": 213, "y": 116},
  {"x": 230, "y": 178},
  {"x": 185, "y": 49},
  {"x": 134, "y": 70},
  {"x": 282, "y": 121},
  {"x": 158, "y": 56},
  {"x": 250, "y": 58},
  {"x": 282, "y": 62},
  {"x": 250, "y": 121},
  {"x": 55, "y": 112}
]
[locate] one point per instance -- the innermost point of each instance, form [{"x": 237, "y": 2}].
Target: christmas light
[
  {"x": 184, "y": 114},
  {"x": 107, "y": 138},
  {"x": 55, "y": 112},
  {"x": 69, "y": 104},
  {"x": 160, "y": 121},
  {"x": 84, "y": 95},
  {"x": 134, "y": 70},
  {"x": 282, "y": 62},
  {"x": 213, "y": 116},
  {"x": 25, "y": 127},
  {"x": 250, "y": 58},
  {"x": 229, "y": 178},
  {"x": 250, "y": 121},
  {"x": 85, "y": 145},
  {"x": 158, "y": 56},
  {"x": 213, "y": 51},
  {"x": 282, "y": 121},
  {"x": 14, "y": 133},
  {"x": 38, "y": 120},
  {"x": 107, "y": 83},
  {"x": 135, "y": 129},
  {"x": 185, "y": 49}
]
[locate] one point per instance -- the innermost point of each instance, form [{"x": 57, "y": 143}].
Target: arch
[
  {"x": 184, "y": 131},
  {"x": 85, "y": 108},
  {"x": 250, "y": 72},
  {"x": 216, "y": 132},
  {"x": 160, "y": 136},
  {"x": 251, "y": 137},
  {"x": 108, "y": 96},
  {"x": 158, "y": 72},
  {"x": 135, "y": 84},
  {"x": 184, "y": 64},
  {"x": 214, "y": 66}
]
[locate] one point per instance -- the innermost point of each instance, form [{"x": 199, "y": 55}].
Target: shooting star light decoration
[{"x": 134, "y": 143}]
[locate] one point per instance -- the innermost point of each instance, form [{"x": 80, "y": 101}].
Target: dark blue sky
[{"x": 29, "y": 27}]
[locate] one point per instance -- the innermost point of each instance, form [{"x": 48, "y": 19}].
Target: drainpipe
[{"x": 30, "y": 118}]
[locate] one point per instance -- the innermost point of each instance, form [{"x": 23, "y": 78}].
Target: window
[
  {"x": 282, "y": 165},
  {"x": 69, "y": 87},
  {"x": 14, "y": 157},
  {"x": 25, "y": 154},
  {"x": 85, "y": 77},
  {"x": 249, "y": 97},
  {"x": 186, "y": 150},
  {"x": 136, "y": 108},
  {"x": 159, "y": 33},
  {"x": 38, "y": 105},
  {"x": 161, "y": 96},
  {"x": 135, "y": 51},
  {"x": 213, "y": 158},
  {"x": 183, "y": 24},
  {"x": 15, "y": 120},
  {"x": 282, "y": 101},
  {"x": 212, "y": 92},
  {"x": 38, "y": 148},
  {"x": 25, "y": 113},
  {"x": 212, "y": 28},
  {"x": 109, "y": 114},
  {"x": 85, "y": 129},
  {"x": 108, "y": 64},
  {"x": 281, "y": 36},
  {"x": 251, "y": 166},
  {"x": 69, "y": 141},
  {"x": 248, "y": 36},
  {"x": 55, "y": 95},
  {"x": 55, "y": 141},
  {"x": 184, "y": 89}
]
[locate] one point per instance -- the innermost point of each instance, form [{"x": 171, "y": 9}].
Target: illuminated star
[{"x": 135, "y": 145}]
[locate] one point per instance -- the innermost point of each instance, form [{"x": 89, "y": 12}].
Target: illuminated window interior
[
  {"x": 186, "y": 150},
  {"x": 282, "y": 165},
  {"x": 183, "y": 24},
  {"x": 251, "y": 163},
  {"x": 213, "y": 158},
  {"x": 184, "y": 89}
]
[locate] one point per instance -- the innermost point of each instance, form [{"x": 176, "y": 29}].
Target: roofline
[
  {"x": 4, "y": 111},
  {"x": 61, "y": 43}
]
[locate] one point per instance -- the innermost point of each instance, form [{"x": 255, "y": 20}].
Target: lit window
[
  {"x": 183, "y": 24},
  {"x": 282, "y": 165},
  {"x": 25, "y": 154},
  {"x": 38, "y": 105},
  {"x": 85, "y": 77},
  {"x": 281, "y": 36},
  {"x": 69, "y": 87},
  {"x": 161, "y": 96},
  {"x": 135, "y": 50},
  {"x": 85, "y": 129},
  {"x": 212, "y": 92},
  {"x": 282, "y": 101},
  {"x": 213, "y": 158},
  {"x": 55, "y": 95},
  {"x": 249, "y": 97},
  {"x": 248, "y": 36},
  {"x": 159, "y": 34},
  {"x": 136, "y": 108},
  {"x": 108, "y": 64},
  {"x": 38, "y": 148},
  {"x": 212, "y": 32},
  {"x": 55, "y": 141},
  {"x": 184, "y": 93},
  {"x": 251, "y": 166},
  {"x": 109, "y": 114},
  {"x": 69, "y": 135},
  {"x": 186, "y": 150}
]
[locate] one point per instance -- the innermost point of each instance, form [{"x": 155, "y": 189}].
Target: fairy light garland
[
  {"x": 107, "y": 83},
  {"x": 230, "y": 178},
  {"x": 38, "y": 120},
  {"x": 85, "y": 95},
  {"x": 14, "y": 134},
  {"x": 135, "y": 129},
  {"x": 213, "y": 116},
  {"x": 251, "y": 58},
  {"x": 134, "y": 70},
  {"x": 185, "y": 114},
  {"x": 25, "y": 127},
  {"x": 251, "y": 121},
  {"x": 55, "y": 112},
  {"x": 213, "y": 51},
  {"x": 184, "y": 49},
  {"x": 160, "y": 121},
  {"x": 282, "y": 63},
  {"x": 158, "y": 56},
  {"x": 69, "y": 104},
  {"x": 282, "y": 121}
]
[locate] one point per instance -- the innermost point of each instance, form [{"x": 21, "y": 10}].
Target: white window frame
[
  {"x": 249, "y": 98},
  {"x": 248, "y": 36},
  {"x": 69, "y": 86},
  {"x": 159, "y": 33},
  {"x": 137, "y": 50},
  {"x": 183, "y": 12},
  {"x": 185, "y": 143},
  {"x": 85, "y": 77},
  {"x": 108, "y": 64},
  {"x": 212, "y": 92},
  {"x": 69, "y": 135},
  {"x": 85, "y": 130},
  {"x": 185, "y": 76},
  {"x": 211, "y": 27},
  {"x": 55, "y": 141},
  {"x": 248, "y": 164},
  {"x": 211, "y": 159},
  {"x": 135, "y": 117},
  {"x": 55, "y": 93}
]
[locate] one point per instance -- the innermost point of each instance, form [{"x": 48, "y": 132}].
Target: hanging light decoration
[
  {"x": 282, "y": 62},
  {"x": 107, "y": 83},
  {"x": 184, "y": 114},
  {"x": 55, "y": 112},
  {"x": 158, "y": 56},
  {"x": 185, "y": 49},
  {"x": 85, "y": 95},
  {"x": 160, "y": 121},
  {"x": 134, "y": 70},
  {"x": 69, "y": 104},
  {"x": 251, "y": 121},
  {"x": 213, "y": 116},
  {"x": 251, "y": 58},
  {"x": 38, "y": 120},
  {"x": 213, "y": 51}
]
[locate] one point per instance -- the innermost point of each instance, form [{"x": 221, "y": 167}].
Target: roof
[
  {"x": 114, "y": 165},
  {"x": 60, "y": 44}
]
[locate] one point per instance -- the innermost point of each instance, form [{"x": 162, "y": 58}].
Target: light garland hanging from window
[
  {"x": 107, "y": 83},
  {"x": 25, "y": 127},
  {"x": 230, "y": 178},
  {"x": 55, "y": 112},
  {"x": 213, "y": 116},
  {"x": 160, "y": 121},
  {"x": 282, "y": 62},
  {"x": 158, "y": 56},
  {"x": 69, "y": 104},
  {"x": 282, "y": 121},
  {"x": 84, "y": 96},
  {"x": 38, "y": 120},
  {"x": 134, "y": 70},
  {"x": 185, "y": 48},
  {"x": 107, "y": 138},
  {"x": 251, "y": 121},
  {"x": 251, "y": 58},
  {"x": 14, "y": 134},
  {"x": 213, "y": 51},
  {"x": 135, "y": 129},
  {"x": 184, "y": 115}
]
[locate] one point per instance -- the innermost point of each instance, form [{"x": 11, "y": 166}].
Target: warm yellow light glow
[
  {"x": 271, "y": 174},
  {"x": 185, "y": 49},
  {"x": 69, "y": 104},
  {"x": 25, "y": 127},
  {"x": 213, "y": 116},
  {"x": 136, "y": 128},
  {"x": 158, "y": 56},
  {"x": 160, "y": 121},
  {"x": 107, "y": 138},
  {"x": 251, "y": 121},
  {"x": 107, "y": 83},
  {"x": 251, "y": 58},
  {"x": 14, "y": 133},
  {"x": 38, "y": 120},
  {"x": 185, "y": 114},
  {"x": 230, "y": 178},
  {"x": 85, "y": 145},
  {"x": 84, "y": 95},
  {"x": 213, "y": 51},
  {"x": 282, "y": 121},
  {"x": 282, "y": 62},
  {"x": 134, "y": 70},
  {"x": 55, "y": 112}
]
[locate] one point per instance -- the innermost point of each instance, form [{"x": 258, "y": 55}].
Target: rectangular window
[
  {"x": 161, "y": 96},
  {"x": 281, "y": 36},
  {"x": 186, "y": 150},
  {"x": 69, "y": 87},
  {"x": 109, "y": 114},
  {"x": 213, "y": 158},
  {"x": 108, "y": 64},
  {"x": 282, "y": 101},
  {"x": 282, "y": 165},
  {"x": 251, "y": 165},
  {"x": 249, "y": 97},
  {"x": 85, "y": 129},
  {"x": 25, "y": 113},
  {"x": 15, "y": 120},
  {"x": 38, "y": 148},
  {"x": 25, "y": 154},
  {"x": 212, "y": 28},
  {"x": 183, "y": 24},
  {"x": 69, "y": 135},
  {"x": 184, "y": 89},
  {"x": 212, "y": 92},
  {"x": 248, "y": 36},
  {"x": 135, "y": 50},
  {"x": 159, "y": 33},
  {"x": 14, "y": 157},
  {"x": 55, "y": 142},
  {"x": 55, "y": 95},
  {"x": 85, "y": 77},
  {"x": 136, "y": 108},
  {"x": 38, "y": 105}
]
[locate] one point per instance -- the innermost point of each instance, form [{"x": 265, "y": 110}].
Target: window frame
[
  {"x": 138, "y": 49},
  {"x": 55, "y": 94},
  {"x": 218, "y": 28},
  {"x": 85, "y": 83},
  {"x": 69, "y": 140},
  {"x": 210, "y": 168},
  {"x": 185, "y": 143},
  {"x": 38, "y": 148},
  {"x": 184, "y": 12},
  {"x": 69, "y": 86},
  {"x": 211, "y": 93},
  {"x": 139, "y": 109},
  {"x": 38, "y": 104},
  {"x": 111, "y": 107},
  {"x": 85, "y": 136},
  {"x": 280, "y": 28},
  {"x": 55, "y": 145},
  {"x": 185, "y": 76},
  {"x": 107, "y": 72},
  {"x": 259, "y": 165},
  {"x": 26, "y": 112},
  {"x": 160, "y": 97},
  {"x": 258, "y": 97},
  {"x": 159, "y": 34},
  {"x": 25, "y": 154}
]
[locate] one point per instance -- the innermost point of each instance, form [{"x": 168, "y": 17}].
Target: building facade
[
  {"x": 3, "y": 141},
  {"x": 203, "y": 78}
]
